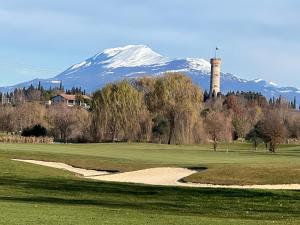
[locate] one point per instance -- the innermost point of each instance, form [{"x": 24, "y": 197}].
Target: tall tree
[
  {"x": 176, "y": 98},
  {"x": 118, "y": 109}
]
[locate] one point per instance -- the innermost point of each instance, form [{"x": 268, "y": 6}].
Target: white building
[{"x": 71, "y": 100}]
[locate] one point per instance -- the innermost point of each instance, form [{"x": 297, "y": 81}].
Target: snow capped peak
[
  {"x": 272, "y": 83},
  {"x": 258, "y": 80},
  {"x": 111, "y": 52},
  {"x": 198, "y": 64},
  {"x": 129, "y": 56},
  {"x": 78, "y": 65},
  {"x": 265, "y": 82}
]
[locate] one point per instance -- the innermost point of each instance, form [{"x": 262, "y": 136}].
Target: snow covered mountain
[{"x": 134, "y": 61}]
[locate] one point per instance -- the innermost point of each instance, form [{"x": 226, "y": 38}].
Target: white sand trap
[
  {"x": 165, "y": 176},
  {"x": 63, "y": 166},
  {"x": 155, "y": 176}
]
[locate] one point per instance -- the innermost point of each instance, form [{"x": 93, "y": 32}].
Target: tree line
[
  {"x": 37, "y": 94},
  {"x": 168, "y": 109}
]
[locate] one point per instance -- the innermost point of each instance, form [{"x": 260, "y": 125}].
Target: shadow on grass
[
  {"x": 87, "y": 186},
  {"x": 225, "y": 203},
  {"x": 107, "y": 203}
]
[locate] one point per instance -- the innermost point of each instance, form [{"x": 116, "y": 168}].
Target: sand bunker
[
  {"x": 63, "y": 166},
  {"x": 154, "y": 176},
  {"x": 165, "y": 176}
]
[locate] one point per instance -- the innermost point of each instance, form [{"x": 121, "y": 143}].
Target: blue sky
[{"x": 258, "y": 39}]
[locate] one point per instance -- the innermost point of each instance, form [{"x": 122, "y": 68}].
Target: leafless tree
[
  {"x": 273, "y": 128},
  {"x": 63, "y": 120},
  {"x": 7, "y": 114},
  {"x": 218, "y": 127}
]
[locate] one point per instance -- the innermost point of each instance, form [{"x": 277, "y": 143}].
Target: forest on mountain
[{"x": 168, "y": 109}]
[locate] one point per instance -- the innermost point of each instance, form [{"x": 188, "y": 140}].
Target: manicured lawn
[
  {"x": 31, "y": 194},
  {"x": 232, "y": 164},
  {"x": 164, "y": 154}
]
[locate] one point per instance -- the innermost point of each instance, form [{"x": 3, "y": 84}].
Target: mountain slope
[{"x": 134, "y": 61}]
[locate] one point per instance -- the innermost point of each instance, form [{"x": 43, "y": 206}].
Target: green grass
[
  {"x": 32, "y": 194},
  {"x": 247, "y": 174},
  {"x": 239, "y": 165},
  {"x": 164, "y": 154}
]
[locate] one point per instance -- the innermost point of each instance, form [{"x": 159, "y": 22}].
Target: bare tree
[
  {"x": 238, "y": 109},
  {"x": 82, "y": 128},
  {"x": 30, "y": 114},
  {"x": 217, "y": 127},
  {"x": 7, "y": 121},
  {"x": 272, "y": 127},
  {"x": 293, "y": 126},
  {"x": 63, "y": 120}
]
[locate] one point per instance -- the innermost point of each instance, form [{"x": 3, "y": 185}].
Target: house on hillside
[{"x": 71, "y": 100}]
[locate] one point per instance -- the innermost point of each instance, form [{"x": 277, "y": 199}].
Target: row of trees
[
  {"x": 38, "y": 93},
  {"x": 168, "y": 109},
  {"x": 61, "y": 122},
  {"x": 171, "y": 109}
]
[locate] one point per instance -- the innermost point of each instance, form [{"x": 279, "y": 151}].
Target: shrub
[{"x": 35, "y": 131}]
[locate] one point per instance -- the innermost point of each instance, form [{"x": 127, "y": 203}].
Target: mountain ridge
[{"x": 133, "y": 61}]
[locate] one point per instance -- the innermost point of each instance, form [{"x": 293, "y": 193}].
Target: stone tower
[{"x": 215, "y": 79}]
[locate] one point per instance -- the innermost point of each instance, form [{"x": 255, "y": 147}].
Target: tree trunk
[
  {"x": 170, "y": 135},
  {"x": 113, "y": 137},
  {"x": 172, "y": 127},
  {"x": 215, "y": 145},
  {"x": 272, "y": 147},
  {"x": 65, "y": 137}
]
